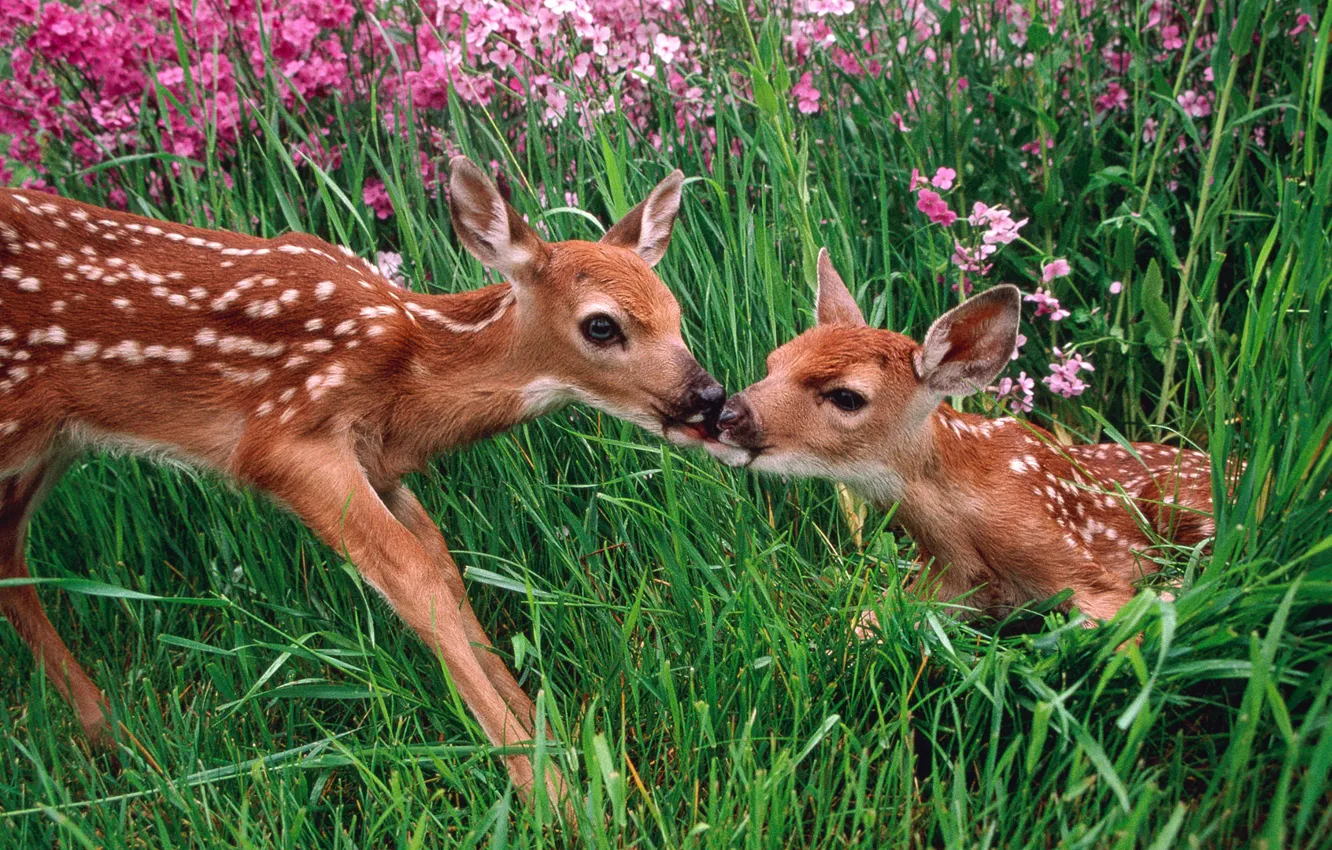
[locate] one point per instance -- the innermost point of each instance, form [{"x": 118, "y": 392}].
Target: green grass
[{"x": 690, "y": 626}]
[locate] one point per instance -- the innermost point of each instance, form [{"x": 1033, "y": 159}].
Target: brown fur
[{"x": 295, "y": 367}]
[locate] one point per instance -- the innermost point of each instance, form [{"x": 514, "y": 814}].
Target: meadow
[{"x": 1156, "y": 177}]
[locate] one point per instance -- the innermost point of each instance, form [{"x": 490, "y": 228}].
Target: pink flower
[
  {"x": 943, "y": 178},
  {"x": 1047, "y": 304},
  {"x": 935, "y": 208},
  {"x": 1302, "y": 22},
  {"x": 899, "y": 123},
  {"x": 831, "y": 7},
  {"x": 1116, "y": 287},
  {"x": 1149, "y": 130},
  {"x": 376, "y": 197},
  {"x": 1063, "y": 378},
  {"x": 666, "y": 47},
  {"x": 503, "y": 55},
  {"x": 1020, "y": 392},
  {"x": 1116, "y": 97},
  {"x": 972, "y": 259},
  {"x": 1017, "y": 347},
  {"x": 1001, "y": 229},
  {"x": 807, "y": 97},
  {"x": 1054, "y": 269},
  {"x": 1194, "y": 104}
]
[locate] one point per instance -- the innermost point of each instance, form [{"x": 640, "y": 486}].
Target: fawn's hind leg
[{"x": 20, "y": 496}]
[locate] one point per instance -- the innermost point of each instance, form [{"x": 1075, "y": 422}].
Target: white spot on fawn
[
  {"x": 54, "y": 335},
  {"x": 84, "y": 351},
  {"x": 324, "y": 289}
]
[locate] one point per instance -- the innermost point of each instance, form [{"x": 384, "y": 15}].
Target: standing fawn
[
  {"x": 296, "y": 368},
  {"x": 997, "y": 508}
]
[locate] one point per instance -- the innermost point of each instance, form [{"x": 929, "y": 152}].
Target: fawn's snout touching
[{"x": 996, "y": 507}]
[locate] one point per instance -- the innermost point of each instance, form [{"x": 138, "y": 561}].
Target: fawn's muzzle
[
  {"x": 695, "y": 411},
  {"x": 738, "y": 426}
]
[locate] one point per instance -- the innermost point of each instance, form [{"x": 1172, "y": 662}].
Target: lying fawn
[
  {"x": 996, "y": 507},
  {"x": 296, "y": 368}
]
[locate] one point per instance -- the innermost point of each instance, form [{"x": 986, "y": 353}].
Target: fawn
[
  {"x": 294, "y": 367},
  {"x": 996, "y": 507}
]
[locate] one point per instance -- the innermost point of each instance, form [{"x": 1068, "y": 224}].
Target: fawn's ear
[
  {"x": 833, "y": 304},
  {"x": 968, "y": 346},
  {"x": 490, "y": 229},
  {"x": 646, "y": 229}
]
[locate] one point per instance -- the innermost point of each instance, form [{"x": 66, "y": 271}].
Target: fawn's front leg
[
  {"x": 409, "y": 511},
  {"x": 323, "y": 483}
]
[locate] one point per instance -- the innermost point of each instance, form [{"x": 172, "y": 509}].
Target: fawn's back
[{"x": 133, "y": 332}]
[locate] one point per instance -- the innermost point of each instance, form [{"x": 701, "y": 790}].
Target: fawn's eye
[
  {"x": 845, "y": 399},
  {"x": 601, "y": 329}
]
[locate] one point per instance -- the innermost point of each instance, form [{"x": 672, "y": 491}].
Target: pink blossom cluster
[
  {"x": 88, "y": 79},
  {"x": 1019, "y": 392},
  {"x": 1063, "y": 378},
  {"x": 96, "y": 79}
]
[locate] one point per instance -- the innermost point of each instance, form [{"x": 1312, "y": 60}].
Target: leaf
[
  {"x": 97, "y": 588},
  {"x": 1153, "y": 305},
  {"x": 764, "y": 96},
  {"x": 1241, "y": 37}
]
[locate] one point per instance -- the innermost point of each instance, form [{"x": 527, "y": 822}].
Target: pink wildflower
[
  {"x": 1116, "y": 287},
  {"x": 1001, "y": 229},
  {"x": 807, "y": 97},
  {"x": 376, "y": 197},
  {"x": 935, "y": 208},
  {"x": 1054, "y": 269},
  {"x": 1019, "y": 391},
  {"x": 1116, "y": 97},
  {"x": 943, "y": 178},
  {"x": 1194, "y": 104},
  {"x": 666, "y": 47},
  {"x": 1302, "y": 22},
  {"x": 832, "y": 7},
  {"x": 972, "y": 259},
  {"x": 503, "y": 55},
  {"x": 1063, "y": 378},
  {"x": 1047, "y": 304}
]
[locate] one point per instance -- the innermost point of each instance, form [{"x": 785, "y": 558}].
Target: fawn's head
[
  {"x": 594, "y": 315},
  {"x": 842, "y": 400}
]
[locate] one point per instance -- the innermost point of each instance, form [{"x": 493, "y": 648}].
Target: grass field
[{"x": 691, "y": 627}]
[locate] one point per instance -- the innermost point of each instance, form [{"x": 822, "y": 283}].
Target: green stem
[{"x": 1195, "y": 241}]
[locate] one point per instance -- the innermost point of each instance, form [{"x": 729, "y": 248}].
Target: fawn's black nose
[
  {"x": 736, "y": 417},
  {"x": 711, "y": 396}
]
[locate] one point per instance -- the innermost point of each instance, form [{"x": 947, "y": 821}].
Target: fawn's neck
[
  {"x": 464, "y": 375},
  {"x": 930, "y": 477}
]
